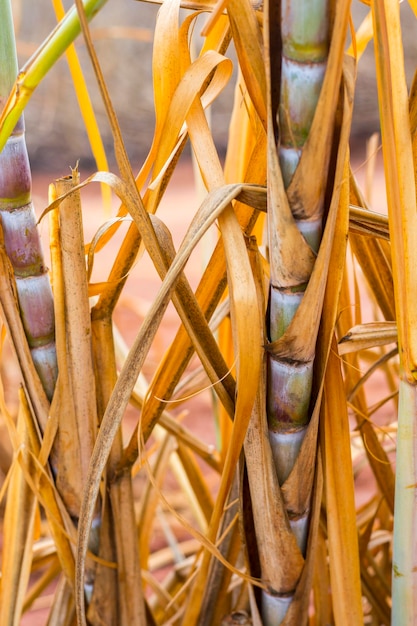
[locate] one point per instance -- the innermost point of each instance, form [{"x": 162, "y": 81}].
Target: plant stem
[
  {"x": 21, "y": 237},
  {"x": 305, "y": 42},
  {"x": 304, "y": 30},
  {"x": 404, "y": 567}
]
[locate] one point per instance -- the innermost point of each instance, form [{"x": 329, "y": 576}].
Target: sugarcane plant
[
  {"x": 21, "y": 237},
  {"x": 304, "y": 57},
  {"x": 274, "y": 326}
]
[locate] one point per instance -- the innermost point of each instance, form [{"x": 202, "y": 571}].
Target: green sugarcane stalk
[
  {"x": 21, "y": 237},
  {"x": 304, "y": 29},
  {"x": 404, "y": 604},
  {"x": 305, "y": 44}
]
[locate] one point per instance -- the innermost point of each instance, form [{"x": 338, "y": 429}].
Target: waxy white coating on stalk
[
  {"x": 312, "y": 231},
  {"x": 289, "y": 393},
  {"x": 300, "y": 86},
  {"x": 285, "y": 448},
  {"x": 282, "y": 308},
  {"x": 44, "y": 359},
  {"x": 274, "y": 608},
  {"x": 299, "y": 528},
  {"x": 22, "y": 241},
  {"x": 404, "y": 560},
  {"x": 289, "y": 158},
  {"x": 37, "y": 311}
]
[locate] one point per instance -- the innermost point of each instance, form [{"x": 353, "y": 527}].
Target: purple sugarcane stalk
[{"x": 19, "y": 225}]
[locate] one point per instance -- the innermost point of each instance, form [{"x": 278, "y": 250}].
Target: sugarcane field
[{"x": 208, "y": 313}]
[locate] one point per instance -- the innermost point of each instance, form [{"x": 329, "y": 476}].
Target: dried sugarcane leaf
[
  {"x": 362, "y": 36},
  {"x": 182, "y": 434},
  {"x": 370, "y": 223},
  {"x": 179, "y": 91},
  {"x": 376, "y": 266},
  {"x": 297, "y": 488},
  {"x": 217, "y": 601},
  {"x": 246, "y": 321},
  {"x": 376, "y": 594},
  {"x": 413, "y": 5},
  {"x": 339, "y": 493},
  {"x": 413, "y": 119},
  {"x": 370, "y": 335},
  {"x": 41, "y": 483},
  {"x": 321, "y": 581},
  {"x": 191, "y": 313},
  {"x": 374, "y": 257},
  {"x": 125, "y": 383},
  {"x": 181, "y": 103},
  {"x": 208, "y": 295},
  {"x": 196, "y": 480},
  {"x": 18, "y": 534},
  {"x": 399, "y": 174},
  {"x": 166, "y": 64},
  {"x": 118, "y": 542},
  {"x": 62, "y": 612},
  {"x": 106, "y": 605},
  {"x": 150, "y": 497},
  {"x": 41, "y": 583},
  {"x": 168, "y": 142},
  {"x": 102, "y": 236},
  {"x": 178, "y": 356},
  {"x": 191, "y": 5},
  {"x": 78, "y": 395},
  {"x": 247, "y": 37},
  {"x": 245, "y": 131},
  {"x": 206, "y": 346},
  {"x": 377, "y": 456}
]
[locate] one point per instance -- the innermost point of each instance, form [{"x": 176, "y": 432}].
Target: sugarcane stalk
[
  {"x": 304, "y": 27},
  {"x": 398, "y": 131},
  {"x": 404, "y": 605},
  {"x": 21, "y": 237},
  {"x": 305, "y": 44}
]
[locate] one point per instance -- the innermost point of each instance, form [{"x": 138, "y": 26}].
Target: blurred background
[{"x": 123, "y": 32}]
